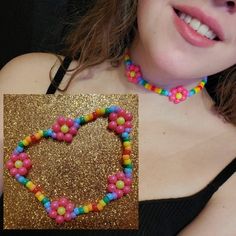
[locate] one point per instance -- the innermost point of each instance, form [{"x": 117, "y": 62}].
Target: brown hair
[{"x": 109, "y": 27}]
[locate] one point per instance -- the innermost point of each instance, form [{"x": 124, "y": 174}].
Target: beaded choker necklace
[
  {"x": 176, "y": 95},
  {"x": 64, "y": 129}
]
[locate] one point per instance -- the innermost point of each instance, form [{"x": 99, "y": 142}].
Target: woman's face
[{"x": 172, "y": 45}]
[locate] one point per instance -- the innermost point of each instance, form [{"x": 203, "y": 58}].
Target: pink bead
[
  {"x": 22, "y": 171},
  {"x": 113, "y": 116},
  {"x": 121, "y": 113},
  {"x": 69, "y": 122},
  {"x": 185, "y": 92},
  {"x": 70, "y": 207},
  {"x": 13, "y": 171},
  {"x": 60, "y": 219},
  {"x": 126, "y": 189},
  {"x": 180, "y": 89},
  {"x": 119, "y": 193},
  {"x": 56, "y": 128},
  {"x": 60, "y": 136},
  {"x": 73, "y": 130},
  {"x": 120, "y": 129},
  {"x": 23, "y": 156},
  {"x": 9, "y": 164},
  {"x": 67, "y": 216},
  {"x": 128, "y": 116},
  {"x": 111, "y": 188},
  {"x": 27, "y": 163},
  {"x": 61, "y": 120},
  {"x": 128, "y": 124},
  {"x": 68, "y": 138},
  {"x": 63, "y": 202},
  {"x": 52, "y": 214},
  {"x": 54, "y": 205},
  {"x": 120, "y": 175},
  {"x": 128, "y": 181},
  {"x": 173, "y": 90},
  {"x": 112, "y": 179},
  {"x": 112, "y": 125},
  {"x": 14, "y": 157}
]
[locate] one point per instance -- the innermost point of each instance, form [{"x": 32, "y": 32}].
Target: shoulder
[{"x": 22, "y": 73}]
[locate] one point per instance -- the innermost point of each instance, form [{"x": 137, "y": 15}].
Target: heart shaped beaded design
[{"x": 63, "y": 130}]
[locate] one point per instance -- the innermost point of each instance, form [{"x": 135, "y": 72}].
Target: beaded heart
[{"x": 63, "y": 130}]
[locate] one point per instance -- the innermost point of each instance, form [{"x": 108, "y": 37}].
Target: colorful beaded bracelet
[
  {"x": 176, "y": 95},
  {"x": 64, "y": 129}
]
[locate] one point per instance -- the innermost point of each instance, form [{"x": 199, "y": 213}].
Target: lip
[{"x": 205, "y": 19}]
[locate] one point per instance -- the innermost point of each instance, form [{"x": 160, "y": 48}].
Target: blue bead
[
  {"x": 76, "y": 211},
  {"x": 114, "y": 196},
  {"x": 110, "y": 196},
  {"x": 47, "y": 204},
  {"x": 49, "y": 132},
  {"x": 77, "y": 120},
  {"x": 127, "y": 170},
  {"x": 19, "y": 149},
  {"x": 21, "y": 179},
  {"x": 112, "y": 108},
  {"x": 125, "y": 135},
  {"x": 191, "y": 93}
]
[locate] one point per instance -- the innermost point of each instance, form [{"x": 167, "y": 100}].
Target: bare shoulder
[{"x": 28, "y": 73}]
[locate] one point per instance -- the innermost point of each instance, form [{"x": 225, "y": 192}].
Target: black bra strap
[
  {"x": 59, "y": 76},
  {"x": 224, "y": 175}
]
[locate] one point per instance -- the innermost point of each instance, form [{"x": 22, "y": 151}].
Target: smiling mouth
[{"x": 197, "y": 25}]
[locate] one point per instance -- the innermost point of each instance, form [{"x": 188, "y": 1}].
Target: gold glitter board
[{"x": 77, "y": 171}]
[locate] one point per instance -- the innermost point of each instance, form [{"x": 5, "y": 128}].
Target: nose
[{"x": 230, "y": 6}]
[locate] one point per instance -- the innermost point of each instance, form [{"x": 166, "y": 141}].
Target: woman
[{"x": 183, "y": 147}]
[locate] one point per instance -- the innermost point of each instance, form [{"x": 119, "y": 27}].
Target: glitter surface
[{"x": 78, "y": 170}]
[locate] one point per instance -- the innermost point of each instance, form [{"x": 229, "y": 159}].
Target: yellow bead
[
  {"x": 99, "y": 206},
  {"x": 86, "y": 209},
  {"x": 61, "y": 210},
  {"x": 25, "y": 142},
  {"x": 64, "y": 129},
  {"x": 41, "y": 133},
  {"x": 90, "y": 207},
  {"x": 100, "y": 111},
  {"x": 127, "y": 144},
  {"x": 37, "y": 136},
  {"x": 86, "y": 118},
  {"x": 18, "y": 164},
  {"x": 132, "y": 74},
  {"x": 120, "y": 121},
  {"x": 179, "y": 95},
  {"x": 148, "y": 86},
  {"x": 126, "y": 57},
  {"x": 127, "y": 162},
  {"x": 30, "y": 186},
  {"x": 102, "y": 203},
  {"x": 90, "y": 116},
  {"x": 202, "y": 84},
  {"x": 40, "y": 197},
  {"x": 125, "y": 157}
]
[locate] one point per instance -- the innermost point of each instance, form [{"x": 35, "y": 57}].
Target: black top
[{"x": 159, "y": 217}]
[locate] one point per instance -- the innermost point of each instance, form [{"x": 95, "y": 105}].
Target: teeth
[{"x": 198, "y": 26}]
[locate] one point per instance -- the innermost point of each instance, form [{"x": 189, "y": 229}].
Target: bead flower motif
[
  {"x": 178, "y": 94},
  {"x": 19, "y": 164},
  {"x": 120, "y": 122},
  {"x": 119, "y": 184},
  {"x": 62, "y": 210},
  {"x": 65, "y": 129},
  {"x": 133, "y": 73}
]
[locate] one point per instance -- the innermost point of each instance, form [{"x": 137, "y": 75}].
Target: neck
[{"x": 154, "y": 74}]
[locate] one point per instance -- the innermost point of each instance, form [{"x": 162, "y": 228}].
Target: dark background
[{"x": 36, "y": 25}]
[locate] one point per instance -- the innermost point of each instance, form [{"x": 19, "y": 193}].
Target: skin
[{"x": 183, "y": 147}]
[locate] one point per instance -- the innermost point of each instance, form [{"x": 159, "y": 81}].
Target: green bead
[
  {"x": 81, "y": 210},
  {"x": 21, "y": 144},
  {"x": 120, "y": 184},
  {"x": 45, "y": 200},
  {"x": 25, "y": 181},
  {"x": 120, "y": 121},
  {"x": 82, "y": 120},
  {"x": 126, "y": 139},
  {"x": 106, "y": 199},
  {"x": 64, "y": 129},
  {"x": 45, "y": 133},
  {"x": 107, "y": 111},
  {"x": 18, "y": 164},
  {"x": 61, "y": 210},
  {"x": 129, "y": 166}
]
